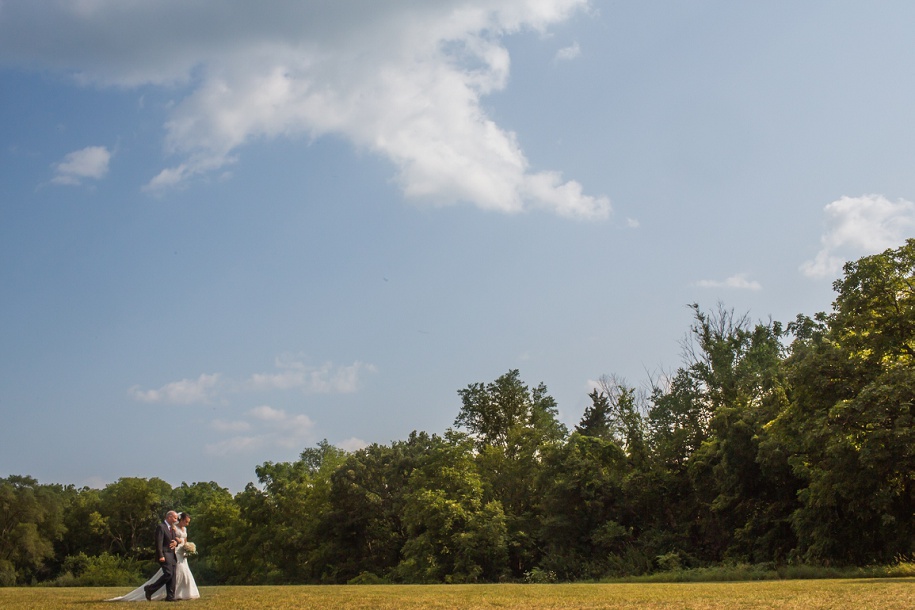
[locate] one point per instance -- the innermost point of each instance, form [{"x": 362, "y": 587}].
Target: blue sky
[{"x": 228, "y": 230}]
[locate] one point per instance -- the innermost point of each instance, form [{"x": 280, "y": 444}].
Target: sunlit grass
[{"x": 840, "y": 594}]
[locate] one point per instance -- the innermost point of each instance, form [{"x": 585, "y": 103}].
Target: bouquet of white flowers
[{"x": 190, "y": 549}]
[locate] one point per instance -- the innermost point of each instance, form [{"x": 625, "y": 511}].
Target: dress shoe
[{"x": 148, "y": 594}]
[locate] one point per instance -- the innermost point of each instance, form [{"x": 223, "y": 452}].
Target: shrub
[
  {"x": 669, "y": 562},
  {"x": 366, "y": 578},
  {"x": 104, "y": 570},
  {"x": 537, "y": 576},
  {"x": 7, "y": 574}
]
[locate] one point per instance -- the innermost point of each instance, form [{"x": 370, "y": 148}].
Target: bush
[
  {"x": 104, "y": 570},
  {"x": 669, "y": 562},
  {"x": 537, "y": 576},
  {"x": 631, "y": 562},
  {"x": 366, "y": 578},
  {"x": 733, "y": 572},
  {"x": 7, "y": 574},
  {"x": 902, "y": 568}
]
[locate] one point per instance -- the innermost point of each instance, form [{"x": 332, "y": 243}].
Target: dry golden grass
[{"x": 876, "y": 594}]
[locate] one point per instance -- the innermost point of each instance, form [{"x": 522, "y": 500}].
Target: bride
[{"x": 185, "y": 586}]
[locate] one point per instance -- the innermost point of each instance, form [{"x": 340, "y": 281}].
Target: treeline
[{"x": 771, "y": 444}]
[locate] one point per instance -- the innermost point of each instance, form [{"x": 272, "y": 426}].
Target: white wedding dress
[{"x": 185, "y": 586}]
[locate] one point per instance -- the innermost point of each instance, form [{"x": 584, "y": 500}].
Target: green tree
[
  {"x": 715, "y": 484},
  {"x": 84, "y": 527},
  {"x": 369, "y": 496},
  {"x": 511, "y": 425},
  {"x": 215, "y": 521},
  {"x": 617, "y": 414},
  {"x": 500, "y": 413},
  {"x": 850, "y": 425},
  {"x": 582, "y": 506},
  {"x": 741, "y": 478},
  {"x": 678, "y": 420},
  {"x": 595, "y": 421},
  {"x": 279, "y": 526},
  {"x": 661, "y": 499},
  {"x": 129, "y": 511},
  {"x": 452, "y": 535},
  {"x": 31, "y": 520}
]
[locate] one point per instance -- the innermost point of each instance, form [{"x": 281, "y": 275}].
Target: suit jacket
[{"x": 164, "y": 537}]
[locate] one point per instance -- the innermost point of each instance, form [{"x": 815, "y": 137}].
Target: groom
[{"x": 165, "y": 552}]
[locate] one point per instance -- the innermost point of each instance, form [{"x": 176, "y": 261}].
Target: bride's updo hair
[{"x": 181, "y": 516}]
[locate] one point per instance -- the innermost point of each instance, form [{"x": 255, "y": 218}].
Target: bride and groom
[{"x": 175, "y": 573}]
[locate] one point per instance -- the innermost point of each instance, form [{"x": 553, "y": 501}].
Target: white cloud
[
  {"x": 268, "y": 413},
  {"x": 272, "y": 428},
  {"x": 859, "y": 226},
  {"x": 352, "y": 444},
  {"x": 338, "y": 380},
  {"x": 89, "y": 162},
  {"x": 293, "y": 375},
  {"x": 570, "y": 52},
  {"x": 236, "y": 444},
  {"x": 167, "y": 178},
  {"x": 187, "y": 391},
  {"x": 738, "y": 281},
  {"x": 402, "y": 78},
  {"x": 326, "y": 379}
]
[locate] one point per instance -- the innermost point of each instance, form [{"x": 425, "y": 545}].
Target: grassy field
[{"x": 863, "y": 594}]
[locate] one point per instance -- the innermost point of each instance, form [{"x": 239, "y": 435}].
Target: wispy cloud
[
  {"x": 292, "y": 375},
  {"x": 186, "y": 391},
  {"x": 236, "y": 444},
  {"x": 570, "y": 52},
  {"x": 270, "y": 428},
  {"x": 404, "y": 79},
  {"x": 90, "y": 162},
  {"x": 859, "y": 226},
  {"x": 268, "y": 413},
  {"x": 738, "y": 281},
  {"x": 266, "y": 427},
  {"x": 325, "y": 379}
]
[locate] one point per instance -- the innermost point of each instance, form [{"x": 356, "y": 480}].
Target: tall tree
[
  {"x": 582, "y": 507},
  {"x": 851, "y": 423},
  {"x": 31, "y": 520},
  {"x": 709, "y": 491},
  {"x": 130, "y": 508},
  {"x": 595, "y": 421},
  {"x": 215, "y": 518},
  {"x": 85, "y": 527},
  {"x": 453, "y": 535},
  {"x": 281, "y": 525},
  {"x": 364, "y": 529},
  {"x": 625, "y": 416},
  {"x": 512, "y": 425},
  {"x": 749, "y": 498},
  {"x": 505, "y": 412}
]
